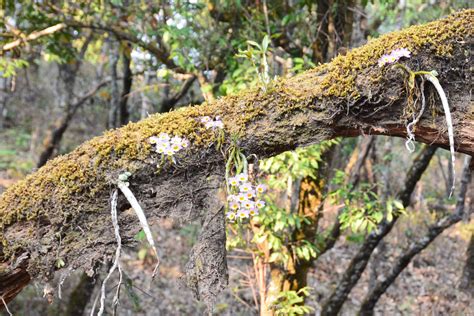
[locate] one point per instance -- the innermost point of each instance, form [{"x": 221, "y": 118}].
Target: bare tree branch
[{"x": 33, "y": 36}]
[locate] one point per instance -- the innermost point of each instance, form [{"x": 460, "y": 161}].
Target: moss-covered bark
[{"x": 62, "y": 210}]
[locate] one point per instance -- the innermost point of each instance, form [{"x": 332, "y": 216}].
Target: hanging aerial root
[
  {"x": 116, "y": 264},
  {"x": 431, "y": 77},
  {"x": 6, "y": 306},
  {"x": 142, "y": 218},
  {"x": 409, "y": 144}
]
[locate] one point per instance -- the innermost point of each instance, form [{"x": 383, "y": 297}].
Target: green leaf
[
  {"x": 253, "y": 44},
  {"x": 274, "y": 257},
  {"x": 265, "y": 43},
  {"x": 398, "y": 204}
]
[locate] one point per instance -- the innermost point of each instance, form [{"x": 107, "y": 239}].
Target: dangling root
[
  {"x": 116, "y": 263},
  {"x": 411, "y": 136},
  {"x": 431, "y": 77},
  {"x": 142, "y": 218},
  {"x": 6, "y": 307}
]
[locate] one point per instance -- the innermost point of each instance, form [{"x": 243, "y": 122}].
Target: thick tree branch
[
  {"x": 67, "y": 199},
  {"x": 417, "y": 246}
]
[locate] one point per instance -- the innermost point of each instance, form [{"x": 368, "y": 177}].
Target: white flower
[
  {"x": 261, "y": 188},
  {"x": 243, "y": 214},
  {"x": 250, "y": 194},
  {"x": 230, "y": 216},
  {"x": 164, "y": 137},
  {"x": 248, "y": 204},
  {"x": 245, "y": 187},
  {"x": 154, "y": 140},
  {"x": 234, "y": 181},
  {"x": 234, "y": 206},
  {"x": 242, "y": 177},
  {"x": 394, "y": 56},
  {"x": 184, "y": 143},
  {"x": 205, "y": 119},
  {"x": 168, "y": 151},
  {"x": 241, "y": 198},
  {"x": 176, "y": 147},
  {"x": 176, "y": 140},
  {"x": 260, "y": 204},
  {"x": 253, "y": 212},
  {"x": 232, "y": 198}
]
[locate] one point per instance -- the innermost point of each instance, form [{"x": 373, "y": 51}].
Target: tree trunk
[
  {"x": 350, "y": 96},
  {"x": 124, "y": 114}
]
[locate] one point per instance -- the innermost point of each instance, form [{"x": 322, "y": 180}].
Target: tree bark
[{"x": 350, "y": 96}]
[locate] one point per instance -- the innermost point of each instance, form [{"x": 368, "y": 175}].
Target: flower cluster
[
  {"x": 394, "y": 56},
  {"x": 167, "y": 145},
  {"x": 244, "y": 202},
  {"x": 212, "y": 123}
]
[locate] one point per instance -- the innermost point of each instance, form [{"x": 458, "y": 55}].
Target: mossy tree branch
[{"x": 62, "y": 210}]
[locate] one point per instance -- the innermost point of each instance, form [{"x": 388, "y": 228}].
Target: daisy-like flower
[
  {"x": 164, "y": 137},
  {"x": 234, "y": 206},
  {"x": 184, "y": 143},
  {"x": 241, "y": 198},
  {"x": 261, "y": 188},
  {"x": 242, "y": 177},
  {"x": 394, "y": 56},
  {"x": 219, "y": 124},
  {"x": 245, "y": 187},
  {"x": 260, "y": 204},
  {"x": 169, "y": 151},
  {"x": 401, "y": 52},
  {"x": 250, "y": 194},
  {"x": 248, "y": 204},
  {"x": 243, "y": 214},
  {"x": 253, "y": 212},
  {"x": 230, "y": 216},
  {"x": 176, "y": 140},
  {"x": 234, "y": 181},
  {"x": 214, "y": 124},
  {"x": 176, "y": 147},
  {"x": 232, "y": 198},
  {"x": 205, "y": 119},
  {"x": 154, "y": 140}
]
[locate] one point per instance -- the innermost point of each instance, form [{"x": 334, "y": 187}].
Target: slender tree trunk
[
  {"x": 114, "y": 89},
  {"x": 146, "y": 107},
  {"x": 467, "y": 280},
  {"x": 124, "y": 114},
  {"x": 80, "y": 296}
]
